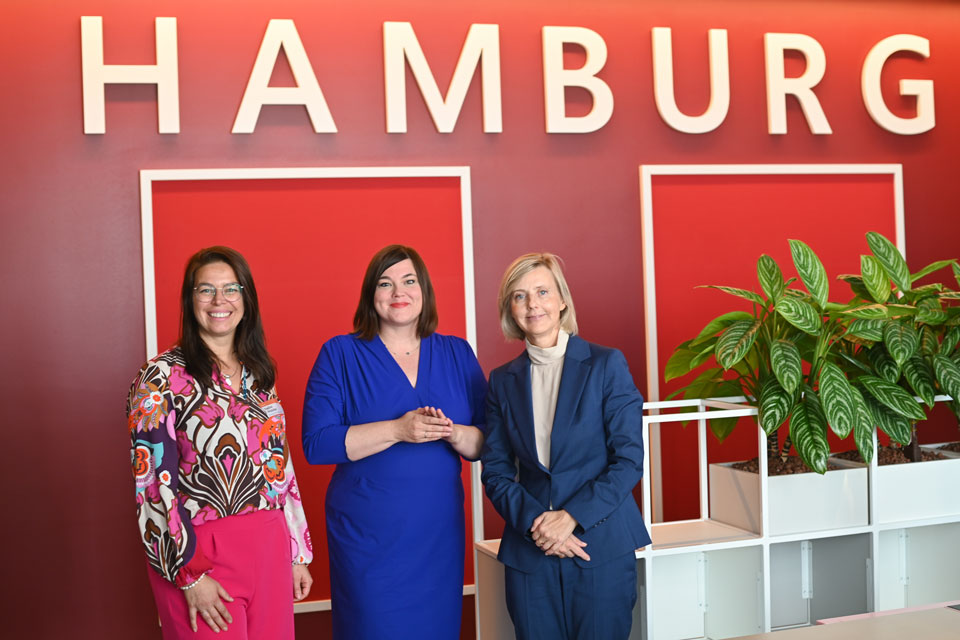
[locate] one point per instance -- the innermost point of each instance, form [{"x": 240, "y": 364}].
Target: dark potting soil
[
  {"x": 777, "y": 467},
  {"x": 953, "y": 446},
  {"x": 892, "y": 455}
]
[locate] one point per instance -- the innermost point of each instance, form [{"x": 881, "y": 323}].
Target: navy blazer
[{"x": 596, "y": 455}]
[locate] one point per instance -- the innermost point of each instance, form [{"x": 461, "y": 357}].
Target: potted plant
[
  {"x": 910, "y": 349},
  {"x": 910, "y": 354},
  {"x": 821, "y": 364}
]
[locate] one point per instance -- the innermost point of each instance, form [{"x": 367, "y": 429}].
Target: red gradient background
[{"x": 72, "y": 312}]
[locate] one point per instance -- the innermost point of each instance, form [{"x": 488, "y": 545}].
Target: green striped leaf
[
  {"x": 786, "y": 363},
  {"x": 875, "y": 278},
  {"x": 735, "y": 342},
  {"x": 800, "y": 314},
  {"x": 869, "y": 312},
  {"x": 893, "y": 263},
  {"x": 883, "y": 363},
  {"x": 928, "y": 341},
  {"x": 770, "y": 277},
  {"x": 836, "y": 395},
  {"x": 926, "y": 291},
  {"x": 932, "y": 316},
  {"x": 930, "y": 268},
  {"x": 892, "y": 424},
  {"x": 718, "y": 324},
  {"x": 863, "y": 429},
  {"x": 956, "y": 272},
  {"x": 856, "y": 285},
  {"x": 774, "y": 407},
  {"x": 740, "y": 293},
  {"x": 857, "y": 364},
  {"x": 919, "y": 376},
  {"x": 811, "y": 271},
  {"x": 867, "y": 329},
  {"x": 949, "y": 341},
  {"x": 796, "y": 293},
  {"x": 949, "y": 295},
  {"x": 808, "y": 431},
  {"x": 901, "y": 340},
  {"x": 893, "y": 397},
  {"x": 948, "y": 375}
]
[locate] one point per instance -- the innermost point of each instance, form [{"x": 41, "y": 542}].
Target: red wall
[{"x": 70, "y": 226}]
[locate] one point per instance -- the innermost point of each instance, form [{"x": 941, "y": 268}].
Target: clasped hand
[
  {"x": 552, "y": 532},
  {"x": 425, "y": 424}
]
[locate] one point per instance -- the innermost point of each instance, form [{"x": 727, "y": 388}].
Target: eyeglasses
[{"x": 230, "y": 292}]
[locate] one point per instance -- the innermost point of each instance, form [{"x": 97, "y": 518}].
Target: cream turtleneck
[{"x": 546, "y": 367}]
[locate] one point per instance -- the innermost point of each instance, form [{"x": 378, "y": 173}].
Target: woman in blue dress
[{"x": 395, "y": 406}]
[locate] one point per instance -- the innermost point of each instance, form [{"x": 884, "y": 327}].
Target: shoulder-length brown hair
[
  {"x": 366, "y": 322},
  {"x": 248, "y": 341}
]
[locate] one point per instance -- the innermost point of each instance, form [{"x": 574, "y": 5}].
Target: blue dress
[{"x": 395, "y": 523}]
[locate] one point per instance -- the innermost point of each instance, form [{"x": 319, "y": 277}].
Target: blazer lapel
[
  {"x": 520, "y": 398},
  {"x": 576, "y": 370}
]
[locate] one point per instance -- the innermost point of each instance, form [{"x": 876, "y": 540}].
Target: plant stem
[
  {"x": 785, "y": 450},
  {"x": 914, "y": 446}
]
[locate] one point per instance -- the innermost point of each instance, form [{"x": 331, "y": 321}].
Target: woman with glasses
[
  {"x": 219, "y": 510},
  {"x": 395, "y": 406},
  {"x": 562, "y": 456}
]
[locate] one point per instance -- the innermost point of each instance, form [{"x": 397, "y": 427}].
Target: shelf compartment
[
  {"x": 706, "y": 594},
  {"x": 917, "y": 566},
  {"x": 820, "y": 578},
  {"x": 667, "y": 535}
]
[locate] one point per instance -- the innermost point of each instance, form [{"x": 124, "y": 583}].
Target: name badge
[{"x": 272, "y": 408}]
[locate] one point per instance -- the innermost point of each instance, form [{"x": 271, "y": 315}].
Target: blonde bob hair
[{"x": 521, "y": 267}]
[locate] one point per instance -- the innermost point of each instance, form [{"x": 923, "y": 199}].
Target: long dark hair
[
  {"x": 248, "y": 341},
  {"x": 366, "y": 322}
]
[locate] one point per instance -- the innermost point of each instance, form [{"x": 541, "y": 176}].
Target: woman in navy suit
[{"x": 562, "y": 456}]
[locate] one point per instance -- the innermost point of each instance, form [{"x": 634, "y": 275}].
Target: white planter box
[
  {"x": 917, "y": 490},
  {"x": 936, "y": 447},
  {"x": 797, "y": 503}
]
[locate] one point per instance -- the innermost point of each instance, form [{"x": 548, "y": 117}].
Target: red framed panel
[
  {"x": 708, "y": 225},
  {"x": 308, "y": 235}
]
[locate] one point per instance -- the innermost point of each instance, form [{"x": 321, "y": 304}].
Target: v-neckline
[{"x": 424, "y": 346}]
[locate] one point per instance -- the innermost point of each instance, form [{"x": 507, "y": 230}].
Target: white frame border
[
  {"x": 149, "y": 176},
  {"x": 647, "y": 172}
]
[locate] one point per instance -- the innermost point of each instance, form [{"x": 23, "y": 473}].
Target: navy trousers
[{"x": 562, "y": 601}]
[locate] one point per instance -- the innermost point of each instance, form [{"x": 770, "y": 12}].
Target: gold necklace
[{"x": 406, "y": 353}]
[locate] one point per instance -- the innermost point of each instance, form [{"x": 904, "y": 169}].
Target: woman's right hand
[
  {"x": 572, "y": 546},
  {"x": 206, "y": 598},
  {"x": 422, "y": 425}
]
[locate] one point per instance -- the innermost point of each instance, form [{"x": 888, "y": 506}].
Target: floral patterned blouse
[{"x": 197, "y": 458}]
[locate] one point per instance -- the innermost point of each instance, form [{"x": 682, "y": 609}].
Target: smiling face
[
  {"x": 218, "y": 319},
  {"x": 535, "y": 304},
  {"x": 397, "y": 298}
]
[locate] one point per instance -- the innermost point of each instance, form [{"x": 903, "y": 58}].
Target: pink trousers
[{"x": 251, "y": 560}]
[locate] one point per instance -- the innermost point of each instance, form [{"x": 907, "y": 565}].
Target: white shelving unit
[{"x": 745, "y": 570}]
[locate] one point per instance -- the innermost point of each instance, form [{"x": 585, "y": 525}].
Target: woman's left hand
[
  {"x": 552, "y": 528},
  {"x": 466, "y": 440},
  {"x": 302, "y": 581}
]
